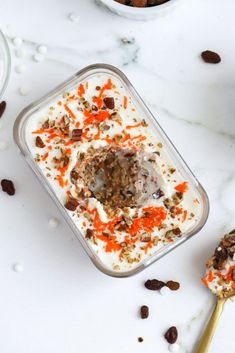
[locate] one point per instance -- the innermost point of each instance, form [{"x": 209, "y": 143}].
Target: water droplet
[
  {"x": 42, "y": 49},
  {"x": 17, "y": 267},
  {"x": 165, "y": 291},
  {"x": 53, "y": 222},
  {"x": 19, "y": 68},
  {"x": 17, "y": 41},
  {"x": 74, "y": 17},
  {"x": 3, "y": 145}
]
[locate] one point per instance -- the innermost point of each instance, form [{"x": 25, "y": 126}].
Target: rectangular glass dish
[{"x": 118, "y": 180}]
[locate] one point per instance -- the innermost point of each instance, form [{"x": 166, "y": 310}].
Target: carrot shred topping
[
  {"x": 81, "y": 90},
  {"x": 125, "y": 102},
  {"x": 185, "y": 213},
  {"x": 44, "y": 157},
  {"x": 183, "y": 187},
  {"x": 133, "y": 126},
  {"x": 69, "y": 111},
  {"x": 98, "y": 101},
  {"x": 107, "y": 85}
]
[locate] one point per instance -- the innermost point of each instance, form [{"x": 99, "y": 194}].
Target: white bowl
[{"x": 140, "y": 13}]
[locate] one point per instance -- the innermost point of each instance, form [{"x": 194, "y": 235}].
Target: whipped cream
[{"x": 97, "y": 113}]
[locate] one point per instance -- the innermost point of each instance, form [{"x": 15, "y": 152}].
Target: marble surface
[{"x": 55, "y": 300}]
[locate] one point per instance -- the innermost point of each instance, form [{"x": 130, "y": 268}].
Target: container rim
[{"x": 18, "y": 130}]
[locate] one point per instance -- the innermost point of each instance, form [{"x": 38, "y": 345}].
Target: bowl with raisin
[{"x": 141, "y": 10}]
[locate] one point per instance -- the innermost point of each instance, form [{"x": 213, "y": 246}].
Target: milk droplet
[
  {"x": 173, "y": 348},
  {"x": 19, "y": 53},
  {"x": 19, "y": 68},
  {"x": 74, "y": 17},
  {"x": 38, "y": 57},
  {"x": 23, "y": 90},
  {"x": 17, "y": 41},
  {"x": 3, "y": 145},
  {"x": 42, "y": 49},
  {"x": 53, "y": 222},
  {"x": 165, "y": 291},
  {"x": 18, "y": 268}
]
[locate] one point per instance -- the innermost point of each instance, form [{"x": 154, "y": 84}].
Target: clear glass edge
[
  {"x": 8, "y": 63},
  {"x": 18, "y": 132}
]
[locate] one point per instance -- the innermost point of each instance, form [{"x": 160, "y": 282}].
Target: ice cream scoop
[{"x": 220, "y": 279}]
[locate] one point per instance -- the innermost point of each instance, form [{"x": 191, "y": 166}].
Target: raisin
[
  {"x": 109, "y": 102},
  {"x": 39, "y": 143},
  {"x": 3, "y": 105},
  {"x": 221, "y": 253},
  {"x": 144, "y": 312},
  {"x": 140, "y": 339},
  {"x": 8, "y": 187},
  {"x": 139, "y": 3},
  {"x": 89, "y": 233},
  {"x": 77, "y": 134},
  {"x": 158, "y": 194},
  {"x": 210, "y": 57},
  {"x": 154, "y": 284},
  {"x": 71, "y": 204},
  {"x": 171, "y": 335},
  {"x": 173, "y": 285}
]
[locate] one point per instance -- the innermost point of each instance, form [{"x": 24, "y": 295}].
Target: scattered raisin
[
  {"x": 171, "y": 335},
  {"x": 140, "y": 339},
  {"x": 221, "y": 253},
  {"x": 71, "y": 204},
  {"x": 154, "y": 284},
  {"x": 8, "y": 187},
  {"x": 144, "y": 312},
  {"x": 210, "y": 57},
  {"x": 39, "y": 143},
  {"x": 139, "y": 3},
  {"x": 109, "y": 102},
  {"x": 172, "y": 285},
  {"x": 3, "y": 105}
]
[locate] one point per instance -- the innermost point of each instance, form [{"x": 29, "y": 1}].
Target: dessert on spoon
[{"x": 220, "y": 279}]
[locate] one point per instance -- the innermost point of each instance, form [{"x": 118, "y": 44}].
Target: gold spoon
[{"x": 212, "y": 324}]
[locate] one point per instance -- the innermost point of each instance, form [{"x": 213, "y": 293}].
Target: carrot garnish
[
  {"x": 44, "y": 157},
  {"x": 183, "y": 187},
  {"x": 133, "y": 126},
  {"x": 60, "y": 180},
  {"x": 125, "y": 102},
  {"x": 107, "y": 85},
  {"x": 81, "y": 90},
  {"x": 73, "y": 116},
  {"x": 204, "y": 281},
  {"x": 210, "y": 276},
  {"x": 98, "y": 101},
  {"x": 184, "y": 216}
]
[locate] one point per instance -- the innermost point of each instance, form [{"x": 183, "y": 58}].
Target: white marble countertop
[{"x": 60, "y": 303}]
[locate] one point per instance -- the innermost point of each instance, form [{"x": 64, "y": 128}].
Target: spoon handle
[{"x": 211, "y": 326}]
